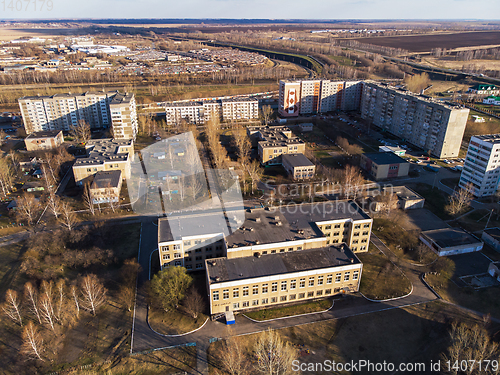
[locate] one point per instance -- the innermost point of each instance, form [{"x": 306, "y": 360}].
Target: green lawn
[
  {"x": 173, "y": 322},
  {"x": 280, "y": 312}
]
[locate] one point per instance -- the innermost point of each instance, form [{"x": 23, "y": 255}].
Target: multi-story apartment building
[
  {"x": 274, "y": 141},
  {"x": 230, "y": 109},
  {"x": 318, "y": 96},
  {"x": 123, "y": 116},
  {"x": 104, "y": 155},
  {"x": 482, "y": 165},
  {"x": 431, "y": 125},
  {"x": 242, "y": 284},
  {"x": 62, "y": 111}
]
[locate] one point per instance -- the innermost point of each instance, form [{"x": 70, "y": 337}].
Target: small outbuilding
[{"x": 450, "y": 241}]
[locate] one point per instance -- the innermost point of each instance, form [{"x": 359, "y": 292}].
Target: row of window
[
  {"x": 284, "y": 285},
  {"x": 356, "y": 226},
  {"x": 189, "y": 267}
]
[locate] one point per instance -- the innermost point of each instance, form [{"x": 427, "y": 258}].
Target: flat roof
[
  {"x": 450, "y": 237},
  {"x": 106, "y": 179},
  {"x": 381, "y": 158},
  {"x": 179, "y": 226},
  {"x": 278, "y": 264},
  {"x": 492, "y": 138},
  {"x": 297, "y": 160},
  {"x": 44, "y": 134},
  {"x": 101, "y": 151},
  {"x": 493, "y": 232}
]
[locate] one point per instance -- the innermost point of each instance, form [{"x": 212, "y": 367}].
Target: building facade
[
  {"x": 431, "y": 125},
  {"x": 44, "y": 140},
  {"x": 450, "y": 241},
  {"x": 298, "y": 166},
  {"x": 106, "y": 187},
  {"x": 482, "y": 165},
  {"x": 62, "y": 111},
  {"x": 384, "y": 165}
]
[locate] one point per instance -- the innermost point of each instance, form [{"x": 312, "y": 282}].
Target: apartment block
[
  {"x": 230, "y": 109},
  {"x": 318, "y": 96},
  {"x": 274, "y": 141},
  {"x": 434, "y": 126},
  {"x": 62, "y": 111},
  {"x": 104, "y": 155},
  {"x": 243, "y": 284},
  {"x": 482, "y": 165}
]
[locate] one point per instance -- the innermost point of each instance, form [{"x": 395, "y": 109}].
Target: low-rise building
[
  {"x": 395, "y": 150},
  {"x": 306, "y": 127},
  {"x": 104, "y": 155},
  {"x": 450, "y": 241},
  {"x": 491, "y": 236},
  {"x": 494, "y": 270},
  {"x": 106, "y": 187},
  {"x": 44, "y": 140},
  {"x": 495, "y": 100},
  {"x": 298, "y": 166},
  {"x": 384, "y": 165},
  {"x": 404, "y": 199},
  {"x": 484, "y": 89},
  {"x": 244, "y": 284}
]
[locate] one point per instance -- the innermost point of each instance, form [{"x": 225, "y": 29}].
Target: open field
[
  {"x": 425, "y": 43},
  {"x": 15, "y": 33},
  {"x": 451, "y": 63},
  {"x": 490, "y": 126}
]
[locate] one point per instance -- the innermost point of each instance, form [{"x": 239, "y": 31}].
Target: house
[
  {"x": 297, "y": 165},
  {"x": 44, "y": 140},
  {"x": 106, "y": 187},
  {"x": 484, "y": 89},
  {"x": 384, "y": 165},
  {"x": 450, "y": 241},
  {"x": 395, "y": 150},
  {"x": 495, "y": 100},
  {"x": 491, "y": 236},
  {"x": 306, "y": 127},
  {"x": 405, "y": 199},
  {"x": 494, "y": 270},
  {"x": 477, "y": 118}
]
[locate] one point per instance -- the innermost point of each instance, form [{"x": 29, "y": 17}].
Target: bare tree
[
  {"x": 88, "y": 199},
  {"x": 12, "y": 306},
  {"x": 273, "y": 355},
  {"x": 60, "y": 299},
  {"x": 67, "y": 218},
  {"x": 32, "y": 346},
  {"x": 193, "y": 302},
  {"x": 74, "y": 294},
  {"x": 233, "y": 358},
  {"x": 31, "y": 295},
  {"x": 352, "y": 179},
  {"x": 255, "y": 172},
  {"x": 266, "y": 113},
  {"x": 93, "y": 293},
  {"x": 112, "y": 197},
  {"x": 5, "y": 176},
  {"x": 460, "y": 199},
  {"x": 81, "y": 132},
  {"x": 53, "y": 200},
  {"x": 46, "y": 303},
  {"x": 27, "y": 209}
]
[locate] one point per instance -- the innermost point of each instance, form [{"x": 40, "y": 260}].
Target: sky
[{"x": 274, "y": 9}]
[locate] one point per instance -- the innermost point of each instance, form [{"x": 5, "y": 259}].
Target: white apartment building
[
  {"x": 482, "y": 165},
  {"x": 239, "y": 109},
  {"x": 61, "y": 111},
  {"x": 191, "y": 112}
]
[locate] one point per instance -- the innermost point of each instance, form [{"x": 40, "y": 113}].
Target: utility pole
[{"x": 488, "y": 221}]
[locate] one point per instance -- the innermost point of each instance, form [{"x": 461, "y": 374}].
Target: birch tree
[
  {"x": 12, "y": 306},
  {"x": 27, "y": 209},
  {"x": 73, "y": 290},
  {"x": 273, "y": 355},
  {"x": 32, "y": 346},
  {"x": 233, "y": 358},
  {"x": 88, "y": 199},
  {"x": 67, "y": 218},
  {"x": 93, "y": 293},
  {"x": 460, "y": 199},
  {"x": 46, "y": 303},
  {"x": 80, "y": 132},
  {"x": 31, "y": 296}
]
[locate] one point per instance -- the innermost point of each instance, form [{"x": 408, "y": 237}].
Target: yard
[{"x": 279, "y": 312}]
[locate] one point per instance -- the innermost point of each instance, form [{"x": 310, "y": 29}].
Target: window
[
  {"x": 255, "y": 289},
  {"x": 199, "y": 266},
  {"x": 216, "y": 295},
  {"x": 319, "y": 292},
  {"x": 355, "y": 275},
  {"x": 274, "y": 287},
  {"x": 283, "y": 285},
  {"x": 236, "y": 305},
  {"x": 274, "y": 299},
  {"x": 293, "y": 284},
  {"x": 246, "y": 304},
  {"x": 328, "y": 227},
  {"x": 292, "y": 296},
  {"x": 337, "y": 226},
  {"x": 265, "y": 301},
  {"x": 273, "y": 251},
  {"x": 310, "y": 294},
  {"x": 165, "y": 248},
  {"x": 166, "y": 256},
  {"x": 225, "y": 294},
  {"x": 302, "y": 283},
  {"x": 311, "y": 281},
  {"x": 282, "y": 298},
  {"x": 320, "y": 280},
  {"x": 365, "y": 233},
  {"x": 302, "y": 295},
  {"x": 264, "y": 288},
  {"x": 177, "y": 255},
  {"x": 255, "y": 302},
  {"x": 356, "y": 234},
  {"x": 177, "y": 247},
  {"x": 177, "y": 263},
  {"x": 290, "y": 249},
  {"x": 282, "y": 250},
  {"x": 245, "y": 291},
  {"x": 236, "y": 293},
  {"x": 328, "y": 279},
  {"x": 366, "y": 226},
  {"x": 338, "y": 277},
  {"x": 199, "y": 258},
  {"x": 187, "y": 243},
  {"x": 328, "y": 291},
  {"x": 347, "y": 276}
]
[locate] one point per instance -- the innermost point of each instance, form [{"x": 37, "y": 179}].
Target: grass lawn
[
  {"x": 451, "y": 182},
  {"x": 380, "y": 278},
  {"x": 491, "y": 125},
  {"x": 435, "y": 199},
  {"x": 280, "y": 312},
  {"x": 173, "y": 322}
]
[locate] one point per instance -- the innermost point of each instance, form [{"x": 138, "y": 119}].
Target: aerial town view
[{"x": 236, "y": 188}]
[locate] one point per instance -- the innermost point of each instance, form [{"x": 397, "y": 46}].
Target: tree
[
  {"x": 417, "y": 82},
  {"x": 471, "y": 344},
  {"x": 73, "y": 290},
  {"x": 80, "y": 132},
  {"x": 93, "y": 293},
  {"x": 31, "y": 296},
  {"x": 46, "y": 303},
  {"x": 255, "y": 172},
  {"x": 88, "y": 199},
  {"x": 274, "y": 357},
  {"x": 352, "y": 179},
  {"x": 12, "y": 306},
  {"x": 27, "y": 209},
  {"x": 5, "y": 176},
  {"x": 128, "y": 276},
  {"x": 193, "y": 302},
  {"x": 460, "y": 199},
  {"x": 53, "y": 200},
  {"x": 32, "y": 346},
  {"x": 233, "y": 358},
  {"x": 169, "y": 286},
  {"x": 266, "y": 113},
  {"x": 60, "y": 299},
  {"x": 68, "y": 217}
]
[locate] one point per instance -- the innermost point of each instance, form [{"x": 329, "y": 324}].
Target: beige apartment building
[
  {"x": 62, "y": 111},
  {"x": 104, "y": 155},
  {"x": 258, "y": 282},
  {"x": 44, "y": 140},
  {"x": 274, "y": 141},
  {"x": 434, "y": 126}
]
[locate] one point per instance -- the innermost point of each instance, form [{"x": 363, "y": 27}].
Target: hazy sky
[{"x": 280, "y": 9}]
